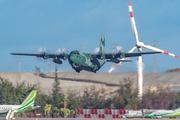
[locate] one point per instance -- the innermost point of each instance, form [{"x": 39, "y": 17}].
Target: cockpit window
[{"x": 76, "y": 53}]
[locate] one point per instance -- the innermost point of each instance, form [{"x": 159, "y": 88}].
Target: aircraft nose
[{"x": 72, "y": 57}]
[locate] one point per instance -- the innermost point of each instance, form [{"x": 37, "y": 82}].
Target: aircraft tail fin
[
  {"x": 29, "y": 101},
  {"x": 102, "y": 45}
]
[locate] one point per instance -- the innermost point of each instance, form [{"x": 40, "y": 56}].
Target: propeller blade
[
  {"x": 96, "y": 50},
  {"x": 58, "y": 51},
  {"x": 65, "y": 50},
  {"x": 39, "y": 50},
  {"x": 159, "y": 50},
  {"x": 119, "y": 48},
  {"x": 133, "y": 22},
  {"x": 114, "y": 51},
  {"x": 46, "y": 50}
]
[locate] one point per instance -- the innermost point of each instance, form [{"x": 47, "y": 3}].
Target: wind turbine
[{"x": 139, "y": 46}]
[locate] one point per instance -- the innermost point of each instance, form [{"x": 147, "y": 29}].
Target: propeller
[
  {"x": 65, "y": 50},
  {"x": 119, "y": 48},
  {"x": 46, "y": 50},
  {"x": 58, "y": 51},
  {"x": 59, "y": 62},
  {"x": 96, "y": 50},
  {"x": 56, "y": 61},
  {"x": 41, "y": 51}
]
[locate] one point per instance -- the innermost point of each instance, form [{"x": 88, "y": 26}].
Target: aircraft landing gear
[
  {"x": 94, "y": 68},
  {"x": 78, "y": 71}
]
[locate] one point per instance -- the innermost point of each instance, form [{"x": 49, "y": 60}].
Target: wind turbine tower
[{"x": 139, "y": 46}]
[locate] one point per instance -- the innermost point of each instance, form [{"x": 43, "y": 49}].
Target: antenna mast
[{"x": 83, "y": 47}]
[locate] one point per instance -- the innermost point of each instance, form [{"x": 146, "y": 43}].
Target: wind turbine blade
[
  {"x": 130, "y": 51},
  {"x": 133, "y": 22},
  {"x": 116, "y": 65},
  {"x": 159, "y": 50}
]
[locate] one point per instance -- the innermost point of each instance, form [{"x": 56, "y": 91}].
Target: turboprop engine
[
  {"x": 114, "y": 60},
  {"x": 58, "y": 61}
]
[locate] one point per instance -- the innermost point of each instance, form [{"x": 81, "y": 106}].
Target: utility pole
[
  {"x": 114, "y": 48},
  {"x": 154, "y": 57}
]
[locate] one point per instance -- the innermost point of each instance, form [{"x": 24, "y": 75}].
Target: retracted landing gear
[{"x": 78, "y": 71}]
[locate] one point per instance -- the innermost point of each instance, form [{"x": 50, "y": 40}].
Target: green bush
[{"x": 65, "y": 112}]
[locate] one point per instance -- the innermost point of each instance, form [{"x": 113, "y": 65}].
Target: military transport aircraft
[
  {"x": 152, "y": 113},
  {"x": 87, "y": 61}
]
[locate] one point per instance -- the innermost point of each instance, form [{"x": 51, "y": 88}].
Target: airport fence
[
  {"x": 105, "y": 113},
  {"x": 100, "y": 113}
]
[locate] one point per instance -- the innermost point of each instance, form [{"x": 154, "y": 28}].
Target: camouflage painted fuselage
[{"x": 84, "y": 61}]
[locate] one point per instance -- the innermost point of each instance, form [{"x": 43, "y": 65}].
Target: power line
[
  {"x": 115, "y": 46},
  {"x": 83, "y": 47}
]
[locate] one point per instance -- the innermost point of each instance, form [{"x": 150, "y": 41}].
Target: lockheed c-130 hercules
[{"x": 88, "y": 61}]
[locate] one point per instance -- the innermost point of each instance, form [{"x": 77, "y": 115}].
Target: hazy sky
[{"x": 26, "y": 25}]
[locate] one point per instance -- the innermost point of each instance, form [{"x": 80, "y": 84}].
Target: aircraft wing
[
  {"x": 44, "y": 55},
  {"x": 122, "y": 55}
]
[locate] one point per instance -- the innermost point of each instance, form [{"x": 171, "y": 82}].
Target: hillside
[{"x": 77, "y": 81}]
